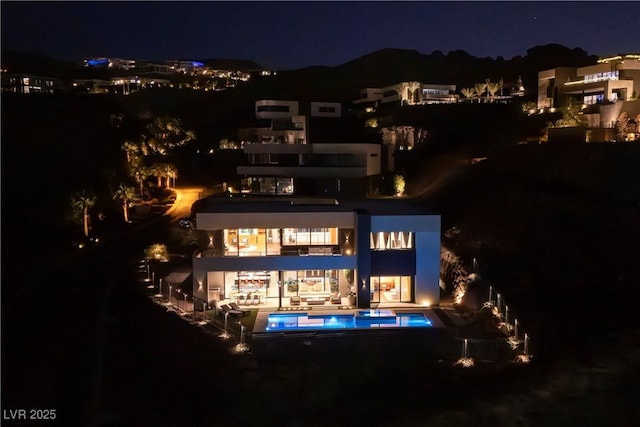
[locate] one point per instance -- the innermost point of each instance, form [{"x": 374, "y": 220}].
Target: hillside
[
  {"x": 388, "y": 66},
  {"x": 380, "y": 68}
]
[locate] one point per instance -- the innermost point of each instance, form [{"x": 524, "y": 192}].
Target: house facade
[
  {"x": 30, "y": 83},
  {"x": 408, "y": 93},
  {"x": 611, "y": 79},
  {"x": 283, "y": 160},
  {"x": 311, "y": 251}
]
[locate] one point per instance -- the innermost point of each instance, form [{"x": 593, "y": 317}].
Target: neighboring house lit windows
[
  {"x": 593, "y": 99},
  {"x": 598, "y": 77}
]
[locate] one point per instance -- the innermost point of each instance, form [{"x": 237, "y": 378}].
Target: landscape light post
[{"x": 169, "y": 298}]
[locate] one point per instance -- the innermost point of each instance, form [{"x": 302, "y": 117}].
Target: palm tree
[
  {"x": 479, "y": 90},
  {"x": 492, "y": 88},
  {"x": 126, "y": 194},
  {"x": 171, "y": 172},
  {"x": 468, "y": 92},
  {"x": 168, "y": 133},
  {"x": 140, "y": 172},
  {"x": 81, "y": 203},
  {"x": 133, "y": 152},
  {"x": 159, "y": 171},
  {"x": 164, "y": 170}
]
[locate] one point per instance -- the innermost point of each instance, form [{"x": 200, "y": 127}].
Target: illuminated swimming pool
[{"x": 368, "y": 319}]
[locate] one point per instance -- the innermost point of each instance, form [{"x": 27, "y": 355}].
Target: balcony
[{"x": 274, "y": 250}]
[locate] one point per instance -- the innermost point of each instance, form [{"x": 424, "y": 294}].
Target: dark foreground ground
[{"x": 83, "y": 338}]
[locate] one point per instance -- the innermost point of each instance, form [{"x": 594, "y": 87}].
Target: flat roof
[{"x": 253, "y": 203}]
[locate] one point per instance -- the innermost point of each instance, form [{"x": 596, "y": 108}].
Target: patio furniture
[
  {"x": 294, "y": 300},
  {"x": 256, "y": 299},
  {"x": 235, "y": 313},
  {"x": 240, "y": 299},
  {"x": 336, "y": 299},
  {"x": 245, "y": 311}
]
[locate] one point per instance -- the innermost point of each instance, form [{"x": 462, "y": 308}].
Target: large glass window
[
  {"x": 251, "y": 242},
  {"x": 598, "y": 77},
  {"x": 273, "y": 241},
  {"x": 593, "y": 99},
  {"x": 230, "y": 242},
  {"x": 245, "y": 283},
  {"x": 394, "y": 240},
  {"x": 284, "y": 186},
  {"x": 314, "y": 282},
  {"x": 391, "y": 289},
  {"x": 310, "y": 236},
  {"x": 266, "y": 185}
]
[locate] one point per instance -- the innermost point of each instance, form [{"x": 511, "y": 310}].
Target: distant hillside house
[
  {"x": 606, "y": 90},
  {"x": 408, "y": 93},
  {"x": 307, "y": 150},
  {"x": 112, "y": 63},
  {"x": 29, "y": 83},
  {"x": 216, "y": 73},
  {"x": 611, "y": 79},
  {"x": 117, "y": 85}
]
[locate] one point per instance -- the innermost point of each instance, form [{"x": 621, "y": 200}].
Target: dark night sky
[{"x": 283, "y": 35}]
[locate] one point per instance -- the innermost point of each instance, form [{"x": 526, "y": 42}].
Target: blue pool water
[{"x": 368, "y": 319}]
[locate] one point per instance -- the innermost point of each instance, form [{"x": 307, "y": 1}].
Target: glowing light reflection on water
[{"x": 361, "y": 320}]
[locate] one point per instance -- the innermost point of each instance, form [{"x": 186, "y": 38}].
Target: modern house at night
[
  {"x": 281, "y": 252},
  {"x": 29, "y": 83},
  {"x": 611, "y": 79},
  {"x": 408, "y": 93},
  {"x": 606, "y": 90},
  {"x": 296, "y": 149}
]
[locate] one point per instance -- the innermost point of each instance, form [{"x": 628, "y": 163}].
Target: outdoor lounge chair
[
  {"x": 235, "y": 313},
  {"x": 240, "y": 299},
  {"x": 295, "y": 300},
  {"x": 234, "y": 306},
  {"x": 256, "y": 299},
  {"x": 336, "y": 299}
]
